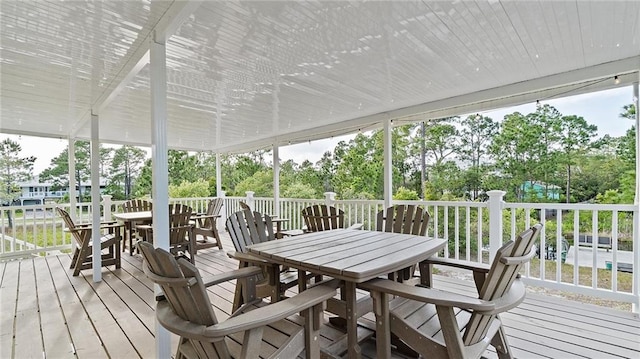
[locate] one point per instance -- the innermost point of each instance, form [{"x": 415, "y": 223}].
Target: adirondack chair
[
  {"x": 206, "y": 226},
  {"x": 246, "y": 228},
  {"x": 320, "y": 217},
  {"x": 407, "y": 219},
  {"x": 255, "y": 330},
  {"x": 134, "y": 205},
  {"x": 83, "y": 252},
  {"x": 244, "y": 206},
  {"x": 439, "y": 324},
  {"x": 181, "y": 239}
]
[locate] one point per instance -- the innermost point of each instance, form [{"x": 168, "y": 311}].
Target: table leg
[
  {"x": 352, "y": 320},
  {"x": 127, "y": 236}
]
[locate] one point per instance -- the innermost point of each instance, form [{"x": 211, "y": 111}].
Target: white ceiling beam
[{"x": 168, "y": 24}]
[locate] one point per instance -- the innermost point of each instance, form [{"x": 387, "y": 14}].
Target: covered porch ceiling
[{"x": 244, "y": 75}]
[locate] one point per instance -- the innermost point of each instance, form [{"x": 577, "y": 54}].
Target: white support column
[
  {"x": 73, "y": 202},
  {"x": 95, "y": 197},
  {"x": 635, "y": 307},
  {"x": 495, "y": 222},
  {"x": 218, "y": 175},
  {"x": 160, "y": 186},
  {"x": 387, "y": 166},
  {"x": 276, "y": 180}
]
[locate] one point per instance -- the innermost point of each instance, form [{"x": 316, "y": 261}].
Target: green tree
[
  {"x": 182, "y": 167},
  {"x": 260, "y": 182},
  {"x": 126, "y": 165},
  {"x": 475, "y": 136},
  {"x": 13, "y": 170},
  {"x": 58, "y": 170},
  {"x": 143, "y": 185},
  {"x": 546, "y": 123},
  {"x": 575, "y": 140},
  {"x": 186, "y": 189}
]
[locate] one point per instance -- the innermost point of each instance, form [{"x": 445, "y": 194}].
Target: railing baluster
[
  {"x": 594, "y": 249},
  {"x": 614, "y": 251}
]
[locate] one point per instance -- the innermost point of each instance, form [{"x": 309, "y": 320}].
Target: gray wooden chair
[
  {"x": 246, "y": 228},
  {"x": 206, "y": 225},
  {"x": 255, "y": 330},
  {"x": 134, "y": 205},
  {"x": 181, "y": 239},
  {"x": 407, "y": 219},
  {"x": 403, "y": 218},
  {"x": 439, "y": 324},
  {"x": 321, "y": 217},
  {"x": 83, "y": 252}
]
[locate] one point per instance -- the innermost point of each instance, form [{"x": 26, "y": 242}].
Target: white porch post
[
  {"x": 250, "y": 200},
  {"x": 388, "y": 169},
  {"x": 636, "y": 228},
  {"x": 106, "y": 206},
  {"x": 73, "y": 203},
  {"x": 276, "y": 180},
  {"x": 95, "y": 197},
  {"x": 218, "y": 176},
  {"x": 329, "y": 198},
  {"x": 160, "y": 183},
  {"x": 495, "y": 222}
]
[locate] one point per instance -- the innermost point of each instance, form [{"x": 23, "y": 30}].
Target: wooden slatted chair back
[
  {"x": 504, "y": 271},
  {"x": 82, "y": 253},
  {"x": 213, "y": 209},
  {"x": 82, "y": 238},
  {"x": 407, "y": 219},
  {"x": 180, "y": 229},
  {"x": 246, "y": 228},
  {"x": 185, "y": 292},
  {"x": 244, "y": 206},
  {"x": 137, "y": 205},
  {"x": 321, "y": 217}
]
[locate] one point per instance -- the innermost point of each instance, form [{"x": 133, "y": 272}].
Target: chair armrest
[
  {"x": 245, "y": 321},
  {"x": 519, "y": 260},
  {"x": 232, "y": 275},
  {"x": 111, "y": 225},
  {"x": 246, "y": 257},
  {"x": 473, "y": 266},
  {"x": 427, "y": 295},
  {"x": 273, "y": 312},
  {"x": 89, "y": 225},
  {"x": 509, "y": 300},
  {"x": 356, "y": 226}
]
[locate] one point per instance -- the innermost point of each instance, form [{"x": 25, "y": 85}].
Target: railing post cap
[
  {"x": 330, "y": 195},
  {"x": 249, "y": 193},
  {"x": 496, "y": 193}
]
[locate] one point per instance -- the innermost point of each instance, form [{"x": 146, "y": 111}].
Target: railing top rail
[{"x": 574, "y": 206}]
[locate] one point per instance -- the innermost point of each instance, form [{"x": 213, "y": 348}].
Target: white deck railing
[{"x": 474, "y": 231}]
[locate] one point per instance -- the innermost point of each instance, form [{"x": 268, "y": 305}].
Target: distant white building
[{"x": 35, "y": 192}]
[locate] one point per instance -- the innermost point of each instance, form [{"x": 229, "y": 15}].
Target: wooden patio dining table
[
  {"x": 353, "y": 256},
  {"x": 129, "y": 218}
]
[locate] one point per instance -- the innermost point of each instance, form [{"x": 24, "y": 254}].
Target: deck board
[{"x": 45, "y": 308}]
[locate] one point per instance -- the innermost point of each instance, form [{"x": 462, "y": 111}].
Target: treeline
[{"x": 451, "y": 158}]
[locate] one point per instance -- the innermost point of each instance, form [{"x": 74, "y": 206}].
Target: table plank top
[
  {"x": 133, "y": 216},
  {"x": 353, "y": 255}
]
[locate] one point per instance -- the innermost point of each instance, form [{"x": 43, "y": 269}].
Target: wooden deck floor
[{"x": 45, "y": 312}]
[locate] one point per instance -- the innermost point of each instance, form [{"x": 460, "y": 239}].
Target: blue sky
[{"x": 599, "y": 108}]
